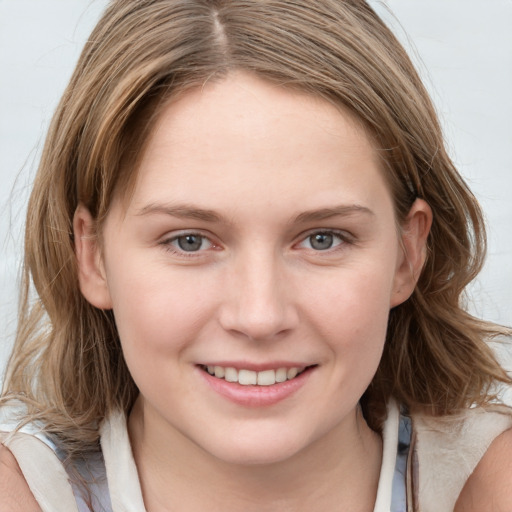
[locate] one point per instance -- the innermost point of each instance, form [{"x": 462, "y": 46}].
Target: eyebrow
[
  {"x": 188, "y": 211},
  {"x": 335, "y": 211},
  {"x": 183, "y": 211}
]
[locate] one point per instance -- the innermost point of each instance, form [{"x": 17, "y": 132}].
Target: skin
[
  {"x": 489, "y": 488},
  {"x": 15, "y": 496},
  {"x": 252, "y": 168}
]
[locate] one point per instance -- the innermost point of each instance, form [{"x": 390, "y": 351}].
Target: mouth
[{"x": 246, "y": 377}]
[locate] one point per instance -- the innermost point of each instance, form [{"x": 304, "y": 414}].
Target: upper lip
[{"x": 256, "y": 367}]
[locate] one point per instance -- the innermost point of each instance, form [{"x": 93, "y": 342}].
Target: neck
[{"x": 340, "y": 471}]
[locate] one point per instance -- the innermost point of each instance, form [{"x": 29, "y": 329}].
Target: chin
[{"x": 260, "y": 451}]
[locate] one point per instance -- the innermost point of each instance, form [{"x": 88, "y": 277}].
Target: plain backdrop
[{"x": 462, "y": 47}]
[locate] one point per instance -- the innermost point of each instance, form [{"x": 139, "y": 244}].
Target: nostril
[{"x": 262, "y": 325}]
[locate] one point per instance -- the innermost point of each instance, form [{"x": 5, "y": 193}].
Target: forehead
[{"x": 252, "y": 137}]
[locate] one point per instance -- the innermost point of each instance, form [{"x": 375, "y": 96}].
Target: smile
[{"x": 253, "y": 378}]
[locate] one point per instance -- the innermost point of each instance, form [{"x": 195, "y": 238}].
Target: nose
[{"x": 258, "y": 300}]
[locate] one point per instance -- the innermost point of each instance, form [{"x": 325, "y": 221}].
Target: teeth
[
  {"x": 291, "y": 373},
  {"x": 231, "y": 375},
  {"x": 251, "y": 378},
  {"x": 281, "y": 375},
  {"x": 247, "y": 377},
  {"x": 266, "y": 378}
]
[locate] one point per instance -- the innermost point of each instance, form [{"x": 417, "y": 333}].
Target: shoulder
[
  {"x": 489, "y": 488},
  {"x": 15, "y": 494}
]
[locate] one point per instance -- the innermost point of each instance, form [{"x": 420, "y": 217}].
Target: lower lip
[{"x": 256, "y": 396}]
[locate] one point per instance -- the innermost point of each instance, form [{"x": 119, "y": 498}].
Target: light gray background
[{"x": 463, "y": 49}]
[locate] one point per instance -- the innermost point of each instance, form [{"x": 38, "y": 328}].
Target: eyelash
[{"x": 344, "y": 238}]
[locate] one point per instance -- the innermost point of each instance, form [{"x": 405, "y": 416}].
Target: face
[{"x": 253, "y": 270}]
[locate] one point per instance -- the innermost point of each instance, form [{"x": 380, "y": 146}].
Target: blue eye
[
  {"x": 189, "y": 242},
  {"x": 323, "y": 240}
]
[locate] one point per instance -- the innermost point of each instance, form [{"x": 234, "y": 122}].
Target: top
[{"x": 428, "y": 477}]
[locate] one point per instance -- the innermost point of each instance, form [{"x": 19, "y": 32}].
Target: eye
[
  {"x": 191, "y": 243},
  {"x": 323, "y": 240},
  {"x": 188, "y": 243}
]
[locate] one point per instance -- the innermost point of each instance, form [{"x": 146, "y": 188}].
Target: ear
[
  {"x": 91, "y": 271},
  {"x": 414, "y": 233}
]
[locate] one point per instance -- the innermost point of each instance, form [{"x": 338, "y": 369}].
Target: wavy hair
[{"x": 67, "y": 365}]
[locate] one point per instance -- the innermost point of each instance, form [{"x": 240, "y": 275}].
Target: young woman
[{"x": 248, "y": 247}]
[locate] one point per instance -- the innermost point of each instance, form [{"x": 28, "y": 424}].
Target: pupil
[
  {"x": 190, "y": 242},
  {"x": 321, "y": 241}
]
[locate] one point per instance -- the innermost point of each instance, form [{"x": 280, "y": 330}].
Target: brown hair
[{"x": 67, "y": 365}]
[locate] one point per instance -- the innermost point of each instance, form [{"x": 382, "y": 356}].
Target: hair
[{"x": 67, "y": 365}]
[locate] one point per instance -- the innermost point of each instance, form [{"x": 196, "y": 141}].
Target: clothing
[{"x": 425, "y": 463}]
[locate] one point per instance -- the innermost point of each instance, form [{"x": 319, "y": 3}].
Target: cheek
[
  {"x": 354, "y": 300},
  {"x": 157, "y": 311},
  {"x": 351, "y": 314},
  {"x": 158, "y": 319}
]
